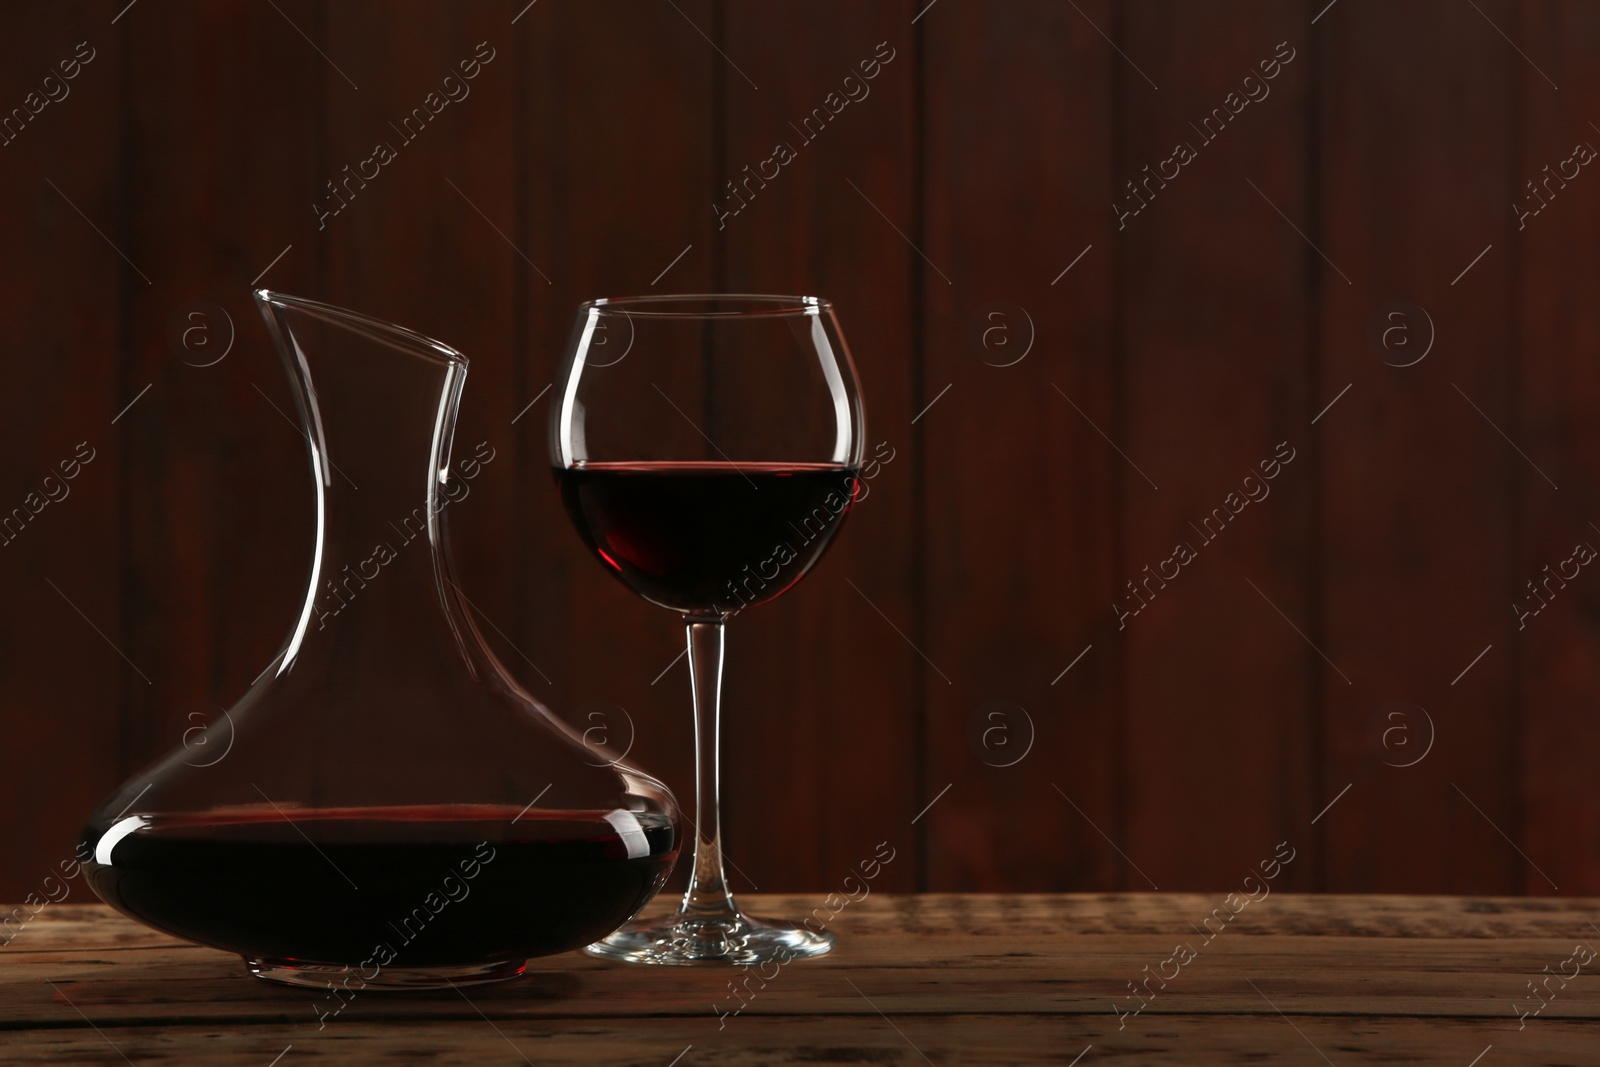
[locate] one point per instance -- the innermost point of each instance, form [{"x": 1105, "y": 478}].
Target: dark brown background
[{"x": 1196, "y": 339}]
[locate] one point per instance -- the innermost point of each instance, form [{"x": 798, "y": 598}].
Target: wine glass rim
[{"x": 706, "y": 305}]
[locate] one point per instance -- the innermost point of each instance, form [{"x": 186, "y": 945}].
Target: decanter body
[{"x": 392, "y": 803}]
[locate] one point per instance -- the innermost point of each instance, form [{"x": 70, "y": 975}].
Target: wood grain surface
[{"x": 946, "y": 979}]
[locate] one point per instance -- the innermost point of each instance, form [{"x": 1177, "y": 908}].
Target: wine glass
[{"x": 707, "y": 449}]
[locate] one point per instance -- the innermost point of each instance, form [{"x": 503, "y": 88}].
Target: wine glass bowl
[{"x": 707, "y": 449}]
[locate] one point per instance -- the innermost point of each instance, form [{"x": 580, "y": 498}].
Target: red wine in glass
[{"x": 708, "y": 537}]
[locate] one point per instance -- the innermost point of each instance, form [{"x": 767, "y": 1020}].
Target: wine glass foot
[{"x": 738, "y": 940}]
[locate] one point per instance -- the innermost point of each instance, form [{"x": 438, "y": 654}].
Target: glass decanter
[{"x": 391, "y": 803}]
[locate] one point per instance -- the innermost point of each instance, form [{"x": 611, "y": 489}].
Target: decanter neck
[{"x": 378, "y": 409}]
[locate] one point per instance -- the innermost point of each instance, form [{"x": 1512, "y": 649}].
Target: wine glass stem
[{"x": 708, "y": 896}]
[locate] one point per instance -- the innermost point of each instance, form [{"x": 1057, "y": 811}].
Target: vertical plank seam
[
  {"x": 322, "y": 145},
  {"x": 719, "y": 155},
  {"x": 1120, "y": 770},
  {"x": 522, "y": 441},
  {"x": 919, "y": 490},
  {"x": 719, "y": 247},
  {"x": 1516, "y": 489},
  {"x": 1317, "y": 677},
  {"x": 127, "y": 565}
]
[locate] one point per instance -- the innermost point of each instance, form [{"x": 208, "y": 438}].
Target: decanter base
[{"x": 319, "y": 975}]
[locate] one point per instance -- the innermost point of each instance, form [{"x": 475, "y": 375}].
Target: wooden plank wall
[
  {"x": 1214, "y": 363},
  {"x": 1556, "y": 326},
  {"x": 1075, "y": 638},
  {"x": 61, "y": 685},
  {"x": 1021, "y": 493},
  {"x": 1411, "y": 451}
]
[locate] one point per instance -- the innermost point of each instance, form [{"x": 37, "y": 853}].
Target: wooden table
[{"x": 916, "y": 979}]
